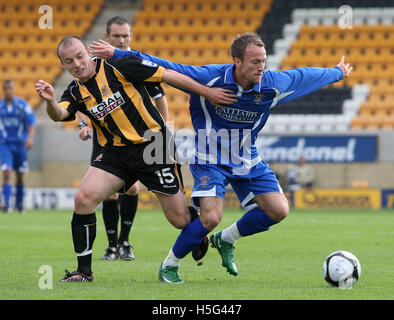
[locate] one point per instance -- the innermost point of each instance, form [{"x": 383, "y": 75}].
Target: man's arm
[
  {"x": 298, "y": 82},
  {"x": 30, "y": 137},
  {"x": 30, "y": 124},
  {"x": 134, "y": 69},
  {"x": 156, "y": 92},
  {"x": 47, "y": 92},
  {"x": 104, "y": 50},
  {"x": 162, "y": 106},
  {"x": 217, "y": 96}
]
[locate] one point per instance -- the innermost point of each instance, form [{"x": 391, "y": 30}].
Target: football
[{"x": 341, "y": 269}]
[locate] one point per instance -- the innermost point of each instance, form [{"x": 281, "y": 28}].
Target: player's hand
[
  {"x": 45, "y": 90},
  {"x": 219, "y": 96},
  {"x": 102, "y": 49},
  {"x": 346, "y": 68},
  {"x": 85, "y": 133},
  {"x": 29, "y": 143}
]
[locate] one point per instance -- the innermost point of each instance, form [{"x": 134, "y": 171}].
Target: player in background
[
  {"x": 112, "y": 94},
  {"x": 218, "y": 162},
  {"x": 17, "y": 128},
  {"x": 118, "y": 34}
]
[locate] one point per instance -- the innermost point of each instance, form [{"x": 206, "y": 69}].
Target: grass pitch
[{"x": 284, "y": 263}]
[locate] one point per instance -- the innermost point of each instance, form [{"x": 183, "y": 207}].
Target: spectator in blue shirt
[{"x": 17, "y": 128}]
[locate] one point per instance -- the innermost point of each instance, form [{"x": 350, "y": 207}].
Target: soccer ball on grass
[{"x": 341, "y": 269}]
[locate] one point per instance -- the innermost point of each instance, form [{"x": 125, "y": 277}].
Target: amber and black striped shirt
[{"x": 116, "y": 100}]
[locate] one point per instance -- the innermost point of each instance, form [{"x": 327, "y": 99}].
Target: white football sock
[
  {"x": 231, "y": 234},
  {"x": 171, "y": 260}
]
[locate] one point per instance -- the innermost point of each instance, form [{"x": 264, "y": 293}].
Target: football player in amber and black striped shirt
[
  {"x": 123, "y": 206},
  {"x": 110, "y": 93}
]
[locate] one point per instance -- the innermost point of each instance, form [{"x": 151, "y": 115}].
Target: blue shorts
[
  {"x": 211, "y": 181},
  {"x": 14, "y": 156}
]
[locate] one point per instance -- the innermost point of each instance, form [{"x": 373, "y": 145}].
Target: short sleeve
[
  {"x": 138, "y": 70},
  {"x": 29, "y": 115}
]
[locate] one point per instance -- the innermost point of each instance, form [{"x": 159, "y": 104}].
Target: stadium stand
[
  {"x": 307, "y": 33},
  {"x": 27, "y": 52},
  {"x": 297, "y": 33}
]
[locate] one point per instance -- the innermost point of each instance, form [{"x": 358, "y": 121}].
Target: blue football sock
[
  {"x": 189, "y": 238},
  {"x": 20, "y": 190},
  {"x": 7, "y": 192},
  {"x": 254, "y": 221}
]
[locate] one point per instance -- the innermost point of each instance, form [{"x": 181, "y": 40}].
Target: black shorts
[{"x": 128, "y": 164}]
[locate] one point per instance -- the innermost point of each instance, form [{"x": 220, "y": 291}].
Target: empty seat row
[
  {"x": 268, "y": 2},
  {"x": 32, "y": 27},
  {"x": 193, "y": 26},
  {"x": 336, "y": 51},
  {"x": 180, "y": 41},
  {"x": 203, "y": 10},
  {"x": 32, "y": 12},
  {"x": 373, "y": 122}
]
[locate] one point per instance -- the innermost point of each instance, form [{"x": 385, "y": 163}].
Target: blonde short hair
[{"x": 241, "y": 41}]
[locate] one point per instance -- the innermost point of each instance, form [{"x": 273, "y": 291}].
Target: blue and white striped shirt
[{"x": 227, "y": 136}]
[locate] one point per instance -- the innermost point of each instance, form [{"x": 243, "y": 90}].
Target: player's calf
[{"x": 83, "y": 229}]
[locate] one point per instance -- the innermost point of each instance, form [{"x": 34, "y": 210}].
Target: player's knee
[
  {"x": 84, "y": 199},
  {"x": 210, "y": 220},
  {"x": 180, "y": 222},
  {"x": 7, "y": 175},
  {"x": 277, "y": 210},
  {"x": 179, "y": 217},
  {"x": 280, "y": 212}
]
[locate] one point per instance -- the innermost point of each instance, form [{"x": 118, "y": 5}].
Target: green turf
[{"x": 283, "y": 263}]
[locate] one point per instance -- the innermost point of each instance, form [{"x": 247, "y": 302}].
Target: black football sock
[
  {"x": 193, "y": 213},
  {"x": 111, "y": 219},
  {"x": 128, "y": 209},
  {"x": 83, "y": 227}
]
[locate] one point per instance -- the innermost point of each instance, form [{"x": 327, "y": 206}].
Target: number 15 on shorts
[{"x": 165, "y": 176}]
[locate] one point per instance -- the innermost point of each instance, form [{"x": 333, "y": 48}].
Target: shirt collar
[
  {"x": 4, "y": 101},
  {"x": 229, "y": 79}
]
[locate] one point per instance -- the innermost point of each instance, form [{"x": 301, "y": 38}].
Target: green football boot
[
  {"x": 169, "y": 275},
  {"x": 226, "y": 251}
]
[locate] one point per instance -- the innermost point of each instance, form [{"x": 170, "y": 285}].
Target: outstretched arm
[
  {"x": 298, "y": 82},
  {"x": 217, "y": 96},
  {"x": 47, "y": 92},
  {"x": 134, "y": 69},
  {"x": 104, "y": 50}
]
